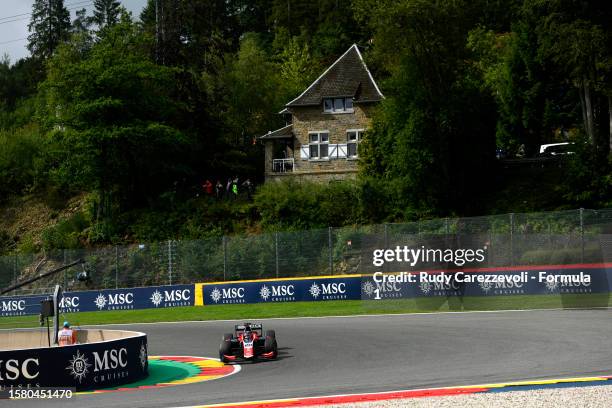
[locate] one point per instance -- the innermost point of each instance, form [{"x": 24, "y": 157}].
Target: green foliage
[
  {"x": 49, "y": 27},
  {"x": 22, "y": 160},
  {"x": 112, "y": 112},
  {"x": 302, "y": 205},
  {"x": 65, "y": 234},
  {"x": 427, "y": 137},
  {"x": 588, "y": 177},
  {"x": 106, "y": 13}
]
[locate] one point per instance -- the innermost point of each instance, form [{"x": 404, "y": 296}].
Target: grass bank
[{"x": 328, "y": 308}]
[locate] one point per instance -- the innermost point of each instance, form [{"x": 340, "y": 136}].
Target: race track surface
[{"x": 325, "y": 356}]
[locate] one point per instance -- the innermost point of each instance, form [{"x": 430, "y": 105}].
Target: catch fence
[{"x": 546, "y": 238}]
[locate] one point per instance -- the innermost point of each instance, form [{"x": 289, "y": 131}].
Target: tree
[
  {"x": 106, "y": 13},
  {"x": 81, "y": 23},
  {"x": 49, "y": 26},
  {"x": 112, "y": 113},
  {"x": 433, "y": 135}
]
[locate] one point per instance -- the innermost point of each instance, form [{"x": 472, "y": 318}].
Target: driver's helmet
[{"x": 247, "y": 331}]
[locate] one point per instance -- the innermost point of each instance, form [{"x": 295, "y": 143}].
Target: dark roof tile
[{"x": 347, "y": 77}]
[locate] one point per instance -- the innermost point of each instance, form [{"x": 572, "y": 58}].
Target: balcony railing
[{"x": 282, "y": 165}]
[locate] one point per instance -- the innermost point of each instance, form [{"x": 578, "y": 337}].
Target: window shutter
[
  {"x": 342, "y": 151},
  {"x": 333, "y": 149},
  {"x": 304, "y": 152}
]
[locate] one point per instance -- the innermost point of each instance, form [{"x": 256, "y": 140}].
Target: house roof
[
  {"x": 348, "y": 76},
  {"x": 281, "y": 133}
]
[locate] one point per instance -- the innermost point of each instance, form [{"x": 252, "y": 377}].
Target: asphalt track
[{"x": 325, "y": 356}]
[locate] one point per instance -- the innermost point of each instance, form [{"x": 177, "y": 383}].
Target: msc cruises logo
[
  {"x": 227, "y": 295},
  {"x": 315, "y": 290},
  {"x": 79, "y": 366}
]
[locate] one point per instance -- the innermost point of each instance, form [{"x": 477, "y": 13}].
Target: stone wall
[{"x": 309, "y": 119}]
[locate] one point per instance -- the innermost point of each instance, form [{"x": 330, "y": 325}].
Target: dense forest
[{"x": 130, "y": 114}]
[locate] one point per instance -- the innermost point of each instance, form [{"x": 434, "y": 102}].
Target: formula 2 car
[{"x": 248, "y": 343}]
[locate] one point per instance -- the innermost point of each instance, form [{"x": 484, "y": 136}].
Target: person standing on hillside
[
  {"x": 235, "y": 187},
  {"x": 219, "y": 189},
  {"x": 208, "y": 188}
]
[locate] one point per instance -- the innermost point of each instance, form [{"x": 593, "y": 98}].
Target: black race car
[{"x": 248, "y": 343}]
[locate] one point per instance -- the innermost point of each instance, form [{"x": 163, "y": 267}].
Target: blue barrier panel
[
  {"x": 20, "y": 305},
  {"x": 283, "y": 290},
  {"x": 107, "y": 299},
  {"x": 539, "y": 280}
]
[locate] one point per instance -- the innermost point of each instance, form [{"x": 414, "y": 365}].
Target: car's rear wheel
[
  {"x": 271, "y": 334},
  {"x": 226, "y": 347}
]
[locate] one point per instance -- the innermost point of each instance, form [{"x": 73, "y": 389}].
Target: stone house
[{"x": 324, "y": 124}]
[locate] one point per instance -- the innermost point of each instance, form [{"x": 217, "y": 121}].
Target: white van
[{"x": 556, "y": 149}]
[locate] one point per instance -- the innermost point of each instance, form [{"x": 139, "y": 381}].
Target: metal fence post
[
  {"x": 276, "y": 251},
  {"x": 512, "y": 239},
  {"x": 15, "y": 269},
  {"x": 331, "y": 259},
  {"x": 170, "y": 262},
  {"x": 65, "y": 270},
  {"x": 224, "y": 258},
  {"x": 386, "y": 239},
  {"x": 581, "y": 234},
  {"x": 116, "y": 267}
]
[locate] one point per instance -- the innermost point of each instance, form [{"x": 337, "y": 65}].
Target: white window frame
[
  {"x": 333, "y": 105},
  {"x": 359, "y": 135},
  {"x": 318, "y": 144}
]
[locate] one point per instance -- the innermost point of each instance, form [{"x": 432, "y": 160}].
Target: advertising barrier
[
  {"x": 83, "y": 366},
  {"x": 107, "y": 299},
  {"x": 528, "y": 280},
  {"x": 532, "y": 280},
  {"x": 283, "y": 290}
]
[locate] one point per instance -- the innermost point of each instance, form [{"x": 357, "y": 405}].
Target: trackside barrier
[
  {"x": 526, "y": 280},
  {"x": 107, "y": 299},
  {"x": 530, "y": 280},
  {"x": 102, "y": 363}
]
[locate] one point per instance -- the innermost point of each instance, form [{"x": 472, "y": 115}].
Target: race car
[{"x": 248, "y": 343}]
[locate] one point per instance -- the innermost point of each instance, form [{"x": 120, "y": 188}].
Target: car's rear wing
[{"x": 257, "y": 327}]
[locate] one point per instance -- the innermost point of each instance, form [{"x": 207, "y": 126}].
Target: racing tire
[
  {"x": 271, "y": 334},
  {"x": 226, "y": 347},
  {"x": 271, "y": 346}
]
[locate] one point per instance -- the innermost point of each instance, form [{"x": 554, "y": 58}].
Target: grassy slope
[{"x": 328, "y": 308}]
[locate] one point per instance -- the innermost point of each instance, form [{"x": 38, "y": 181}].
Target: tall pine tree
[
  {"x": 106, "y": 13},
  {"x": 49, "y": 26}
]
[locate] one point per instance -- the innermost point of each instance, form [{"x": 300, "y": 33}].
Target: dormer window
[{"x": 337, "y": 105}]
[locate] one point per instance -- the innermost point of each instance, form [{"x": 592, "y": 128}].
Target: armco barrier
[
  {"x": 107, "y": 299},
  {"x": 356, "y": 287},
  {"x": 100, "y": 364}
]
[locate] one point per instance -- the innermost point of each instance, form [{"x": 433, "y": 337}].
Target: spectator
[
  {"x": 228, "y": 187},
  {"x": 208, "y": 188},
  {"x": 219, "y": 190},
  {"x": 235, "y": 187},
  {"x": 248, "y": 186}
]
